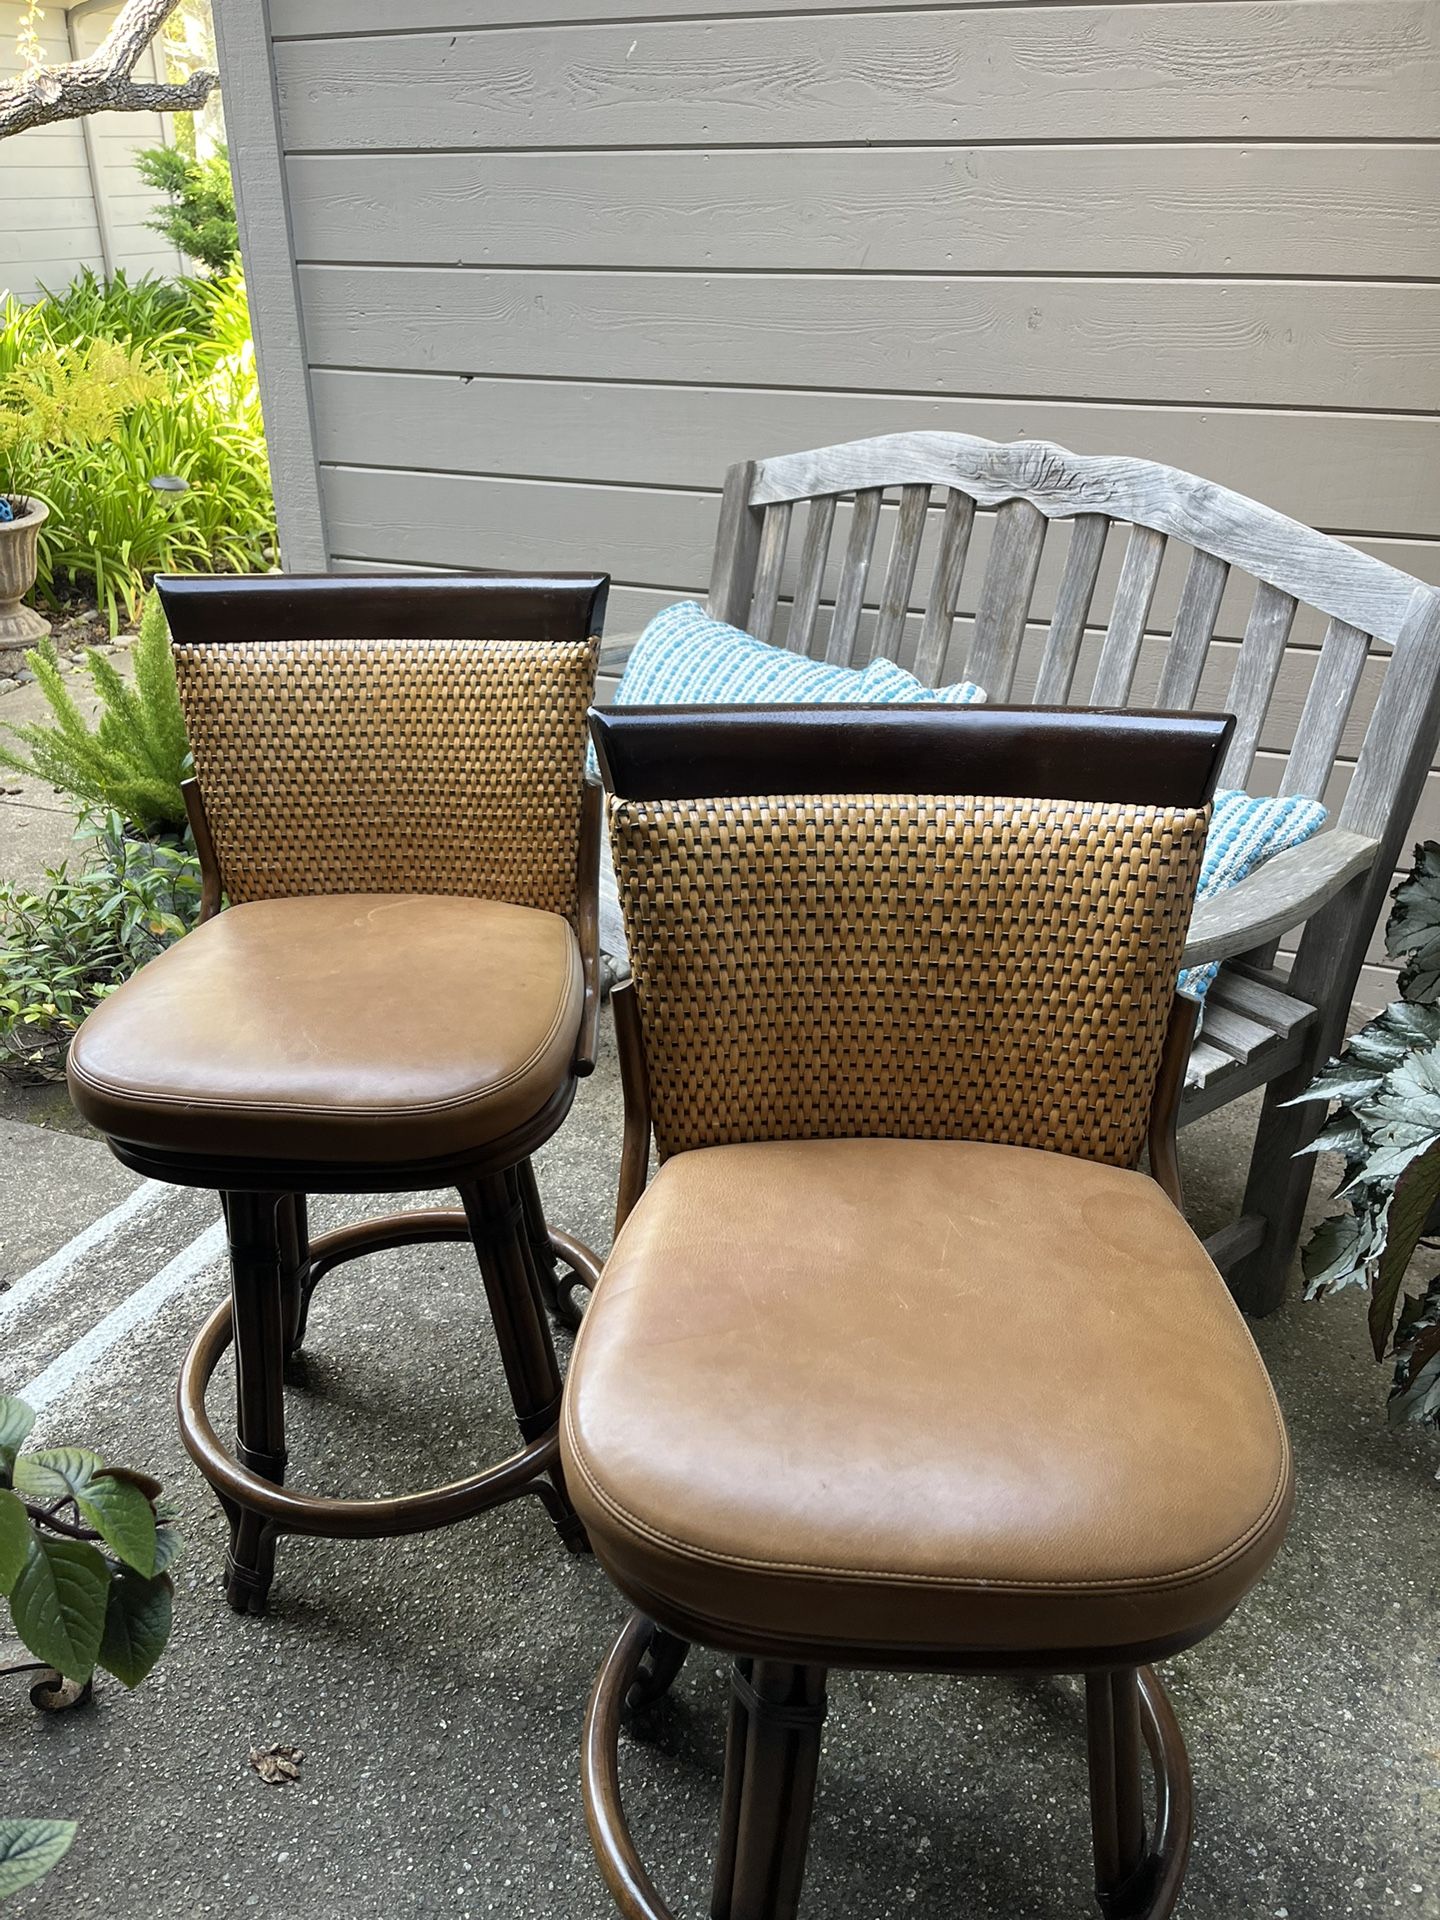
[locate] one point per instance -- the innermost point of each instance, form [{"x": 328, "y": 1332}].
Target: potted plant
[{"x": 21, "y": 518}]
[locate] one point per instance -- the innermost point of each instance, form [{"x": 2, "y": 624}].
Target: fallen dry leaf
[{"x": 276, "y": 1764}]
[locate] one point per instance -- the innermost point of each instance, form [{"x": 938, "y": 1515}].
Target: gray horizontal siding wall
[{"x": 541, "y": 268}]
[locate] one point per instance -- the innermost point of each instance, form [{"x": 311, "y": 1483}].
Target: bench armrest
[
  {"x": 615, "y": 653},
  {"x": 1280, "y": 895}
]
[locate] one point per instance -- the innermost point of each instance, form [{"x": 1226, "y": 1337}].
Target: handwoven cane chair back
[
  {"x": 404, "y": 762},
  {"x": 878, "y": 964}
]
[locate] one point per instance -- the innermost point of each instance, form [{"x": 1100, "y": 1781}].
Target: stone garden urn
[{"x": 20, "y": 626}]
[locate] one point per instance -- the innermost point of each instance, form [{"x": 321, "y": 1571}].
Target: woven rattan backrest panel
[
  {"x": 935, "y": 968},
  {"x": 377, "y": 766}
]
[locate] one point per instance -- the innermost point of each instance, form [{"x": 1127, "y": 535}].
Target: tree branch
[{"x": 102, "y": 83}]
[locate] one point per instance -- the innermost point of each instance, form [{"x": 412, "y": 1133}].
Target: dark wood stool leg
[
  {"x": 664, "y": 1657},
  {"x": 1125, "y": 1869},
  {"x": 558, "y": 1294},
  {"x": 537, "y": 1238},
  {"x": 497, "y": 1228},
  {"x": 256, "y": 1294},
  {"x": 294, "y": 1269},
  {"x": 772, "y": 1756}
]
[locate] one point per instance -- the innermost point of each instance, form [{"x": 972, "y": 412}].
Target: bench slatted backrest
[{"x": 903, "y": 497}]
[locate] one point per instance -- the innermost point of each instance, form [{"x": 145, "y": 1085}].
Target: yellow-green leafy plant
[
  {"x": 109, "y": 528},
  {"x": 135, "y": 755},
  {"x": 70, "y": 396}
]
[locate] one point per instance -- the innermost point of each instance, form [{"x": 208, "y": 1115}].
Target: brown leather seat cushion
[
  {"x": 900, "y": 1396},
  {"x": 338, "y": 1027}
]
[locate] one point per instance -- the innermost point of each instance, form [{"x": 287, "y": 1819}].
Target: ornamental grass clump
[{"x": 1386, "y": 1088}]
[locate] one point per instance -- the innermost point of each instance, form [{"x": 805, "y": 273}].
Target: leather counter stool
[
  {"x": 400, "y": 994},
  {"x": 899, "y": 1362}
]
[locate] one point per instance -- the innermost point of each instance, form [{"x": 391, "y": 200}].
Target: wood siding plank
[
  {"x": 1011, "y": 73},
  {"x": 1205, "y": 209},
  {"x": 1365, "y": 473},
  {"x": 1348, "y": 346}
]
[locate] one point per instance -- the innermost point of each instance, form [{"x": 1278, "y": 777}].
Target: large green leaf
[
  {"x": 1416, "y": 1399},
  {"x": 1403, "y": 1118},
  {"x": 1415, "y": 1396},
  {"x": 58, "y": 1603},
  {"x": 14, "y": 1539},
  {"x": 169, "y": 1545},
  {"x": 29, "y": 1849},
  {"x": 1415, "y": 1196},
  {"x": 16, "y": 1420},
  {"x": 56, "y": 1472},
  {"x": 1413, "y": 929},
  {"x": 123, "y": 1517},
  {"x": 1336, "y": 1253},
  {"x": 137, "y": 1625}
]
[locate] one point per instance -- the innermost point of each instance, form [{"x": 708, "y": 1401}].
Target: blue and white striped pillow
[
  {"x": 1244, "y": 832},
  {"x": 685, "y": 658}
]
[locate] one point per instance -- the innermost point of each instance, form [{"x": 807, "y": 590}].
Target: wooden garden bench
[{"x": 1034, "y": 629}]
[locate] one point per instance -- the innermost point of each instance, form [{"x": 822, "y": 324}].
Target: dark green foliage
[
  {"x": 29, "y": 1849},
  {"x": 66, "y": 945},
  {"x": 200, "y": 219},
  {"x": 136, "y": 755},
  {"x": 81, "y": 1560},
  {"x": 1386, "y": 1123}
]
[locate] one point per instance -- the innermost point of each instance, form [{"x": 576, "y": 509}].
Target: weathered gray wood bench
[{"x": 1032, "y": 629}]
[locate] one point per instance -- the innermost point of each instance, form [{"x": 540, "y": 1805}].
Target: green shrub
[
  {"x": 67, "y": 944},
  {"x": 135, "y": 756},
  {"x": 165, "y": 317},
  {"x": 196, "y": 415},
  {"x": 1386, "y": 1123},
  {"x": 200, "y": 219}
]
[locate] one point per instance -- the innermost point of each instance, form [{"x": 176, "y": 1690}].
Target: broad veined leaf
[
  {"x": 16, "y": 1420},
  {"x": 1344, "y": 1079},
  {"x": 1413, "y": 929},
  {"x": 1415, "y": 1396},
  {"x": 58, "y": 1603},
  {"x": 56, "y": 1472},
  {"x": 14, "y": 1538},
  {"x": 1417, "y": 1025},
  {"x": 1337, "y": 1253},
  {"x": 169, "y": 1545},
  {"x": 1342, "y": 1133},
  {"x": 29, "y": 1849},
  {"x": 137, "y": 1625},
  {"x": 1415, "y": 1194},
  {"x": 123, "y": 1517},
  {"x": 1417, "y": 1399}
]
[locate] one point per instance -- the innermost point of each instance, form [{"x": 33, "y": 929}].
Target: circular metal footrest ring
[
  {"x": 630, "y": 1884},
  {"x": 615, "y": 1851},
  {"x": 1174, "y": 1799},
  {"x": 522, "y": 1474},
  {"x": 584, "y": 1277}
]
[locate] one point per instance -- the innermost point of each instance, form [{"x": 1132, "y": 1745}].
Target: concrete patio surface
[{"x": 436, "y": 1684}]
